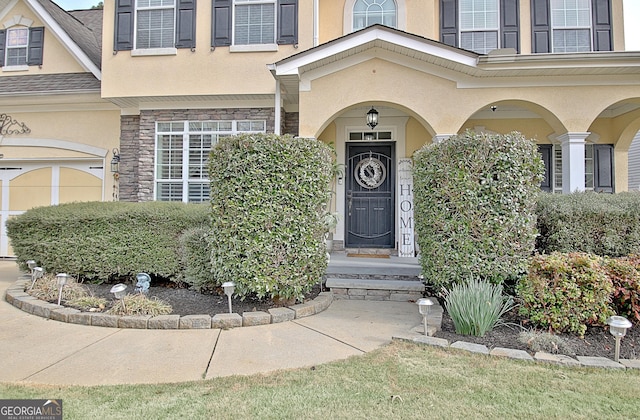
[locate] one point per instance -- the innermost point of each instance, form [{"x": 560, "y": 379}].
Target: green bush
[
  {"x": 476, "y": 306},
  {"x": 565, "y": 292},
  {"x": 105, "y": 240},
  {"x": 474, "y": 206},
  {"x": 624, "y": 274},
  {"x": 600, "y": 224},
  {"x": 268, "y": 199},
  {"x": 196, "y": 257}
]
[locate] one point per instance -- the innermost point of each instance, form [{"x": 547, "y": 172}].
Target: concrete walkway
[{"x": 37, "y": 350}]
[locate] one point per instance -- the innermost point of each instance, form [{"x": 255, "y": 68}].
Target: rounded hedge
[
  {"x": 475, "y": 198},
  {"x": 268, "y": 197}
]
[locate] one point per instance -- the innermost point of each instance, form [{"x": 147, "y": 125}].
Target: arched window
[{"x": 370, "y": 12}]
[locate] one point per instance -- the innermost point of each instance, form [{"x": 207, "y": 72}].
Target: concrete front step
[{"x": 382, "y": 289}]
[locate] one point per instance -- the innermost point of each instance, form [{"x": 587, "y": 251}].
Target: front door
[{"x": 370, "y": 175}]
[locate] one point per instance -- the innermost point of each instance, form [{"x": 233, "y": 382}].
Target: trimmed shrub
[
  {"x": 624, "y": 274},
  {"x": 474, "y": 206},
  {"x": 565, "y": 292},
  {"x": 105, "y": 240},
  {"x": 600, "y": 224},
  {"x": 196, "y": 257},
  {"x": 268, "y": 197},
  {"x": 475, "y": 307}
]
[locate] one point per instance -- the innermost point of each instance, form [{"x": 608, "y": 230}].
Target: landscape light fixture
[
  {"x": 618, "y": 326},
  {"x": 61, "y": 279},
  {"x": 423, "y": 306},
  {"x": 229, "y": 287},
  {"x": 120, "y": 291},
  {"x": 35, "y": 275},
  {"x": 31, "y": 264},
  {"x": 372, "y": 118}
]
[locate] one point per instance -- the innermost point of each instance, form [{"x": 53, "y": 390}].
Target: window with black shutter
[
  {"x": 256, "y": 22},
  {"x": 480, "y": 25},
  {"x": 21, "y": 46},
  {"x": 576, "y": 26},
  {"x": 148, "y": 24}
]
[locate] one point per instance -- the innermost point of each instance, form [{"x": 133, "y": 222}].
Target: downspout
[{"x": 316, "y": 18}]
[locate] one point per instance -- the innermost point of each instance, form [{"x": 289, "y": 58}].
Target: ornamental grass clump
[
  {"x": 46, "y": 288},
  {"x": 476, "y": 306},
  {"x": 139, "y": 304}
]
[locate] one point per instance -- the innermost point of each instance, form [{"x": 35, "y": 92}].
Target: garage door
[{"x": 25, "y": 185}]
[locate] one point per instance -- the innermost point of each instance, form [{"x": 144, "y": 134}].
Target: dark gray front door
[{"x": 370, "y": 175}]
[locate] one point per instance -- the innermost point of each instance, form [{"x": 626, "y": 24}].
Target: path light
[
  {"x": 35, "y": 275},
  {"x": 62, "y": 280},
  {"x": 423, "y": 305},
  {"x": 119, "y": 291},
  {"x": 618, "y": 326},
  {"x": 229, "y": 287},
  {"x": 31, "y": 264}
]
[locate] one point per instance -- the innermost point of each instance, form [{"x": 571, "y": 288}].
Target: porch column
[
  {"x": 439, "y": 138},
  {"x": 572, "y": 161}
]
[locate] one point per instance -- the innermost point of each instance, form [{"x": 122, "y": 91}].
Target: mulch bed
[
  {"x": 184, "y": 301},
  {"x": 597, "y": 341}
]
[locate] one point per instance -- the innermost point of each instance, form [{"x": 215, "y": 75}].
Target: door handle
[{"x": 349, "y": 200}]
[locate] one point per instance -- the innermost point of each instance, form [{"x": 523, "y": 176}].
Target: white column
[
  {"x": 572, "y": 161},
  {"x": 439, "y": 138},
  {"x": 278, "y": 113}
]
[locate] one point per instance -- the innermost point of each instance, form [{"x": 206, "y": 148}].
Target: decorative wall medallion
[
  {"x": 370, "y": 173},
  {"x": 10, "y": 126}
]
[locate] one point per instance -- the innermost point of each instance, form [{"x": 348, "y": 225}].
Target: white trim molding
[{"x": 573, "y": 167}]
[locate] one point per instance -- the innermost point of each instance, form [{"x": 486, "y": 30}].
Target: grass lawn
[{"x": 402, "y": 380}]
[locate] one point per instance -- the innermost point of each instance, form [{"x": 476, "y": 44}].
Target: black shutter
[
  {"x": 602, "y": 25},
  {"x": 3, "y": 37},
  {"x": 603, "y": 178},
  {"x": 287, "y": 22},
  {"x": 546, "y": 150},
  {"x": 186, "y": 24},
  {"x": 449, "y": 22},
  {"x": 510, "y": 24},
  {"x": 221, "y": 29},
  {"x": 123, "y": 39},
  {"x": 540, "y": 26},
  {"x": 36, "y": 45}
]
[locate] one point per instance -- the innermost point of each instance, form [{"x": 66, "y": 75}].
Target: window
[
  {"x": 479, "y": 25},
  {"x": 155, "y": 20},
  {"x": 182, "y": 155},
  {"x": 21, "y": 46},
  {"x": 370, "y": 12},
  {"x": 17, "y": 43},
  {"x": 571, "y": 23},
  {"x": 598, "y": 167},
  {"x": 155, "y": 26},
  {"x": 259, "y": 24},
  {"x": 254, "y": 22}
]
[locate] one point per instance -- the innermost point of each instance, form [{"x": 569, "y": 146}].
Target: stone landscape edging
[
  {"x": 539, "y": 357},
  {"x": 16, "y": 296}
]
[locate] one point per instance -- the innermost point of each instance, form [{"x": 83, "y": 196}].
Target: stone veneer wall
[
  {"x": 137, "y": 142},
  {"x": 291, "y": 123}
]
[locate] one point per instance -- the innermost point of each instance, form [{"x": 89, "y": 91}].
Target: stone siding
[{"x": 137, "y": 142}]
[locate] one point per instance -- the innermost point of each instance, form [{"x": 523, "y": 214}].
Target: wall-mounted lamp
[
  {"x": 372, "y": 118},
  {"x": 115, "y": 162}
]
